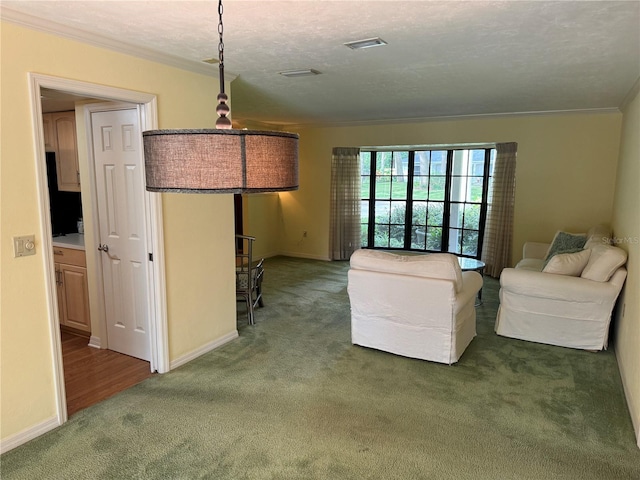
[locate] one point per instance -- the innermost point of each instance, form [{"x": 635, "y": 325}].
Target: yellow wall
[
  {"x": 262, "y": 219},
  {"x": 626, "y": 225},
  {"x": 198, "y": 228},
  {"x": 566, "y": 171}
]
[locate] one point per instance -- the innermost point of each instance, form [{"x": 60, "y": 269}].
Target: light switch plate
[{"x": 24, "y": 246}]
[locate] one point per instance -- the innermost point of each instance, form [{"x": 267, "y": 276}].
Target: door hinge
[{"x": 151, "y": 257}]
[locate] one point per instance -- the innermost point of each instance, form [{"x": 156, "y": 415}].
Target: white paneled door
[{"x": 119, "y": 168}]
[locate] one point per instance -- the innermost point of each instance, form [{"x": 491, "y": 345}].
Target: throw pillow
[
  {"x": 565, "y": 242},
  {"x": 553, "y": 254},
  {"x": 571, "y": 264},
  {"x": 604, "y": 261}
]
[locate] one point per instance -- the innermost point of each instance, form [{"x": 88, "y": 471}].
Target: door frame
[{"x": 147, "y": 105}]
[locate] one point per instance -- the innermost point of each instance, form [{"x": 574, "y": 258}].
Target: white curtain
[
  {"x": 344, "y": 228},
  {"x": 498, "y": 231}
]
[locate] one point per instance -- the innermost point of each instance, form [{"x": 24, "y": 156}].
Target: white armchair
[
  {"x": 568, "y": 302},
  {"x": 418, "y": 306}
]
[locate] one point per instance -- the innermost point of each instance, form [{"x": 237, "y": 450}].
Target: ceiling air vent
[
  {"x": 300, "y": 73},
  {"x": 367, "y": 43}
]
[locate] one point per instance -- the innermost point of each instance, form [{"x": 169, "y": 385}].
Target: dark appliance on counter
[{"x": 65, "y": 207}]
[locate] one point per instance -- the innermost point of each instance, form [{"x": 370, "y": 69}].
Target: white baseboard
[
  {"x": 632, "y": 403},
  {"x": 304, "y": 255},
  {"x": 294, "y": 255},
  {"x": 30, "y": 433},
  {"x": 202, "y": 350},
  {"x": 95, "y": 342}
]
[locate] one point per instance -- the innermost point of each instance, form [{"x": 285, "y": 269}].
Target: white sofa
[
  {"x": 418, "y": 306},
  {"x": 567, "y": 301}
]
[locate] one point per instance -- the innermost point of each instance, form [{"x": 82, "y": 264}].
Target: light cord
[{"x": 222, "y": 109}]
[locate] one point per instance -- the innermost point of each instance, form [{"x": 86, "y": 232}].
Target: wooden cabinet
[
  {"x": 50, "y": 143},
  {"x": 73, "y": 288},
  {"x": 60, "y": 137}
]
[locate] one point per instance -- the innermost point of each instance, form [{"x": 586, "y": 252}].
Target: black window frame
[{"x": 447, "y": 202}]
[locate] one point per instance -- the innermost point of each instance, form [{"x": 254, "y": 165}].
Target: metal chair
[{"x": 248, "y": 275}]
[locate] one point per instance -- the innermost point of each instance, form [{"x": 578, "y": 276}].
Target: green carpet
[{"x": 293, "y": 399}]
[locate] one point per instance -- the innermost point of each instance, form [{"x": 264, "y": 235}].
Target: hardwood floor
[{"x": 92, "y": 375}]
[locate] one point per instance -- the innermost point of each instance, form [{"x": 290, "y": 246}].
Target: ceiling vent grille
[
  {"x": 300, "y": 73},
  {"x": 366, "y": 43}
]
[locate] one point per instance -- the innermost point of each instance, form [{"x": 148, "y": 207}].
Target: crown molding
[
  {"x": 53, "y": 28},
  {"x": 389, "y": 121}
]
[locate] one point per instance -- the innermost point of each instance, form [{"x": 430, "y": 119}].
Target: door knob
[{"x": 103, "y": 248}]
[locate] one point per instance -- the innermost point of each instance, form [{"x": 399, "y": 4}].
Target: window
[{"x": 426, "y": 200}]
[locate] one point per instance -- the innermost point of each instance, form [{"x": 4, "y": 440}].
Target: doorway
[
  {"x": 153, "y": 228},
  {"x": 92, "y": 375}
]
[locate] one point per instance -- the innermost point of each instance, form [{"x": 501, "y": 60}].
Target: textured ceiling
[{"x": 446, "y": 58}]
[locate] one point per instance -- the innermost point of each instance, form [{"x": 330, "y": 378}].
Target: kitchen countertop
[{"x": 70, "y": 240}]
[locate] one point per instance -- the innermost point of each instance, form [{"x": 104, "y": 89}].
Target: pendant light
[{"x": 220, "y": 160}]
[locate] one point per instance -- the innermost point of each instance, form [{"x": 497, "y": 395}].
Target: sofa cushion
[
  {"x": 603, "y": 262},
  {"x": 571, "y": 264},
  {"x": 443, "y": 266},
  {"x": 565, "y": 242}
]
